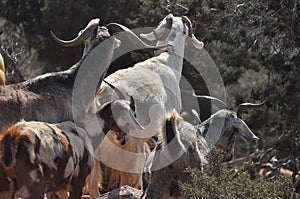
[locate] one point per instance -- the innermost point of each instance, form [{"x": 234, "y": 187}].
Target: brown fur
[
  {"x": 112, "y": 178},
  {"x": 26, "y": 145},
  {"x": 164, "y": 182}
]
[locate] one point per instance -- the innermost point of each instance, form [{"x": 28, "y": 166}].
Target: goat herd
[{"x": 131, "y": 127}]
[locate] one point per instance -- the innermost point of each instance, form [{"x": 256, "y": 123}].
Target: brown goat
[
  {"x": 184, "y": 146},
  {"x": 43, "y": 157}
]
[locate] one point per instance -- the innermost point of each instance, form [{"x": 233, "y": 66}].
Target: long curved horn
[
  {"x": 154, "y": 36},
  {"x": 221, "y": 104},
  {"x": 84, "y": 34},
  {"x": 244, "y": 106},
  {"x": 115, "y": 28},
  {"x": 118, "y": 91},
  {"x": 198, "y": 44}
]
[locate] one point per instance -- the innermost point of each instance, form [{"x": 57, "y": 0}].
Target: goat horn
[
  {"x": 221, "y": 104},
  {"x": 198, "y": 44},
  {"x": 118, "y": 91},
  {"x": 242, "y": 107},
  {"x": 188, "y": 22},
  {"x": 115, "y": 28},
  {"x": 82, "y": 36}
]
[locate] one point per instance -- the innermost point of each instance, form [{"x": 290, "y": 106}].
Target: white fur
[{"x": 154, "y": 85}]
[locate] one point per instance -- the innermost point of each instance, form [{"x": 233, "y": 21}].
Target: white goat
[{"x": 154, "y": 84}]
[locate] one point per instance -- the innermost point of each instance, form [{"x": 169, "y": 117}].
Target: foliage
[
  {"x": 218, "y": 182},
  {"x": 255, "y": 45},
  {"x": 66, "y": 18}
]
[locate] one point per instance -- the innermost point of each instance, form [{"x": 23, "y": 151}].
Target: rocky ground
[{"x": 125, "y": 192}]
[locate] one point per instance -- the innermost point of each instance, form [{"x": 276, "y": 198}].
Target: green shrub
[{"x": 219, "y": 182}]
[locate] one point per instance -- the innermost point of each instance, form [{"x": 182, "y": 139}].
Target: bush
[{"x": 219, "y": 182}]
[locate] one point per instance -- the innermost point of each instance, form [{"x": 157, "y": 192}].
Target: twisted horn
[
  {"x": 83, "y": 35},
  {"x": 242, "y": 107},
  {"x": 222, "y": 105}
]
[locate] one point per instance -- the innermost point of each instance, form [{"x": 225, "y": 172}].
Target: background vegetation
[{"x": 255, "y": 45}]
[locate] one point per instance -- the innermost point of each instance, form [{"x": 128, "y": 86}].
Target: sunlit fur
[
  {"x": 190, "y": 147},
  {"x": 2, "y": 71},
  {"x": 154, "y": 84},
  {"x": 43, "y": 157},
  {"x": 180, "y": 148},
  {"x": 48, "y": 97}
]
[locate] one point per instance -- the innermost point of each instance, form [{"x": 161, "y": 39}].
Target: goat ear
[
  {"x": 196, "y": 43},
  {"x": 170, "y": 133},
  {"x": 133, "y": 121},
  {"x": 191, "y": 37},
  {"x": 244, "y": 129},
  {"x": 171, "y": 129},
  {"x": 126, "y": 114}
]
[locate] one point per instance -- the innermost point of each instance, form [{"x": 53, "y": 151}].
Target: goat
[
  {"x": 48, "y": 97},
  {"x": 154, "y": 84},
  {"x": 2, "y": 71},
  {"x": 183, "y": 146},
  {"x": 44, "y": 157}
]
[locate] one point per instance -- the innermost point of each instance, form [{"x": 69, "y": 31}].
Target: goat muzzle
[{"x": 138, "y": 43}]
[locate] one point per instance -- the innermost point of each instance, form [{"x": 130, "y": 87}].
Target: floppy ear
[
  {"x": 198, "y": 44},
  {"x": 125, "y": 115},
  {"x": 171, "y": 130}
]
